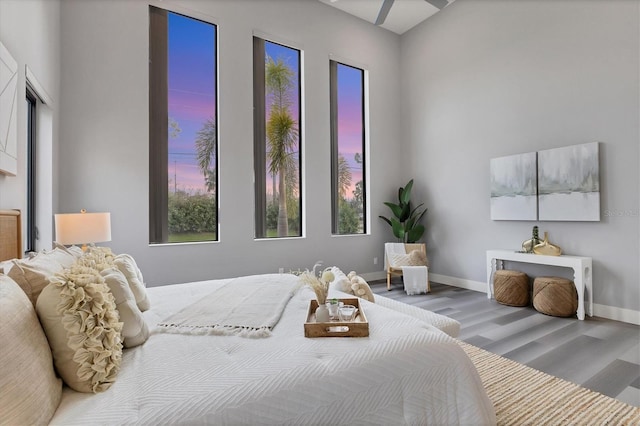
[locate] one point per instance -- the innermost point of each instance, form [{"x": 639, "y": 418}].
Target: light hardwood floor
[{"x": 597, "y": 353}]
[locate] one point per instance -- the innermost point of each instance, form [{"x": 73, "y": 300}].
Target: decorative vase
[
  {"x": 322, "y": 314},
  {"x": 527, "y": 246},
  {"x": 547, "y": 248}
]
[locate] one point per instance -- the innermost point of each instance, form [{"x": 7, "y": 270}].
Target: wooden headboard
[{"x": 10, "y": 235}]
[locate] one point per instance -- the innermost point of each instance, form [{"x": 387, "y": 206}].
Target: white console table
[{"x": 582, "y": 272}]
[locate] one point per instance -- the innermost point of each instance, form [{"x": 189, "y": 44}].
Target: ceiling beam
[
  {"x": 384, "y": 11},
  {"x": 440, "y": 4}
]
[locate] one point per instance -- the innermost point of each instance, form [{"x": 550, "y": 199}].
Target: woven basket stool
[
  {"x": 511, "y": 287},
  {"x": 555, "y": 296}
]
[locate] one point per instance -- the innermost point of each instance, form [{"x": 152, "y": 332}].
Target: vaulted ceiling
[{"x": 398, "y": 16}]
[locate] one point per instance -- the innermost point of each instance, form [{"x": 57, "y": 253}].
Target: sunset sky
[
  {"x": 192, "y": 98},
  {"x": 192, "y": 94},
  {"x": 350, "y": 119}
]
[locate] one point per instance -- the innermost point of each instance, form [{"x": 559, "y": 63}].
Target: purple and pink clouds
[
  {"x": 192, "y": 95},
  {"x": 351, "y": 120}
]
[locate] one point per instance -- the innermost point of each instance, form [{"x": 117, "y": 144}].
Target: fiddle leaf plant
[{"x": 405, "y": 221}]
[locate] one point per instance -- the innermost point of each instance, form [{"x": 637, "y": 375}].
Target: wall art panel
[
  {"x": 513, "y": 187},
  {"x": 569, "y": 183}
]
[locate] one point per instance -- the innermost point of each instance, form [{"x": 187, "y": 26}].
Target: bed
[{"x": 406, "y": 372}]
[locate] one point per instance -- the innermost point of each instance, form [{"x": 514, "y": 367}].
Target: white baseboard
[
  {"x": 603, "y": 311},
  {"x": 372, "y": 276},
  {"x": 618, "y": 314},
  {"x": 459, "y": 282}
]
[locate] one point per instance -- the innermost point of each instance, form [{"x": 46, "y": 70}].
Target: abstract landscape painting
[
  {"x": 513, "y": 187},
  {"x": 569, "y": 183}
]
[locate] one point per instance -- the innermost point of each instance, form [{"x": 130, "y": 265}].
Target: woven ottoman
[
  {"x": 555, "y": 296},
  {"x": 511, "y": 287}
]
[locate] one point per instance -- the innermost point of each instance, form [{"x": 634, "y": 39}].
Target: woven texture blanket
[{"x": 248, "y": 307}]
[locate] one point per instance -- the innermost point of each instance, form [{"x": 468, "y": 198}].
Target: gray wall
[
  {"x": 104, "y": 154},
  {"x": 480, "y": 79},
  {"x": 484, "y": 79},
  {"x": 30, "y": 30}
]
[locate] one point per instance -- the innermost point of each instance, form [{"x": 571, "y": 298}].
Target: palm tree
[
  {"x": 174, "y": 128},
  {"x": 281, "y": 132},
  {"x": 344, "y": 177},
  {"x": 206, "y": 152}
]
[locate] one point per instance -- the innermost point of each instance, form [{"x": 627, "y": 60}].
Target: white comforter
[{"x": 405, "y": 372}]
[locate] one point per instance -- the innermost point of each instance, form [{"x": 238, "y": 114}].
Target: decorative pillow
[
  {"x": 134, "y": 328},
  {"x": 360, "y": 287},
  {"x": 98, "y": 258},
  {"x": 418, "y": 258},
  {"x": 340, "y": 281},
  {"x": 5, "y": 266},
  {"x": 61, "y": 256},
  {"x": 29, "y": 389},
  {"x": 129, "y": 268},
  {"x": 32, "y": 275},
  {"x": 414, "y": 258},
  {"x": 75, "y": 251},
  {"x": 106, "y": 251},
  {"x": 79, "y": 317},
  {"x": 398, "y": 259}
]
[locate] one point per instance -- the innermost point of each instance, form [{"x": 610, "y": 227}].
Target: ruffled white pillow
[
  {"x": 134, "y": 329},
  {"x": 78, "y": 314}
]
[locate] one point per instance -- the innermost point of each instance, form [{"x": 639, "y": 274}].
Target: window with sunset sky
[
  {"x": 277, "y": 118},
  {"x": 348, "y": 149},
  {"x": 183, "y": 128}
]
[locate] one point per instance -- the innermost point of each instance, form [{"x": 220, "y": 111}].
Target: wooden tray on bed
[{"x": 359, "y": 327}]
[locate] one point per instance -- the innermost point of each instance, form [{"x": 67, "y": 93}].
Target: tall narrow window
[
  {"x": 32, "y": 230},
  {"x": 348, "y": 181},
  {"x": 277, "y": 117},
  {"x": 183, "y": 135}
]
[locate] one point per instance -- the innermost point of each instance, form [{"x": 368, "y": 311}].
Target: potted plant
[{"x": 405, "y": 220}]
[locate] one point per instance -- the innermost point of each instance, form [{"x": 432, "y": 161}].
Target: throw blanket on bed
[{"x": 247, "y": 307}]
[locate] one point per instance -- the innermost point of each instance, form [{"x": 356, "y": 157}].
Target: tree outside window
[
  {"x": 277, "y": 140},
  {"x": 183, "y": 128},
  {"x": 348, "y": 149}
]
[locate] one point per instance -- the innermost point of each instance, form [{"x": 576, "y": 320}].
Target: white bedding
[{"x": 405, "y": 372}]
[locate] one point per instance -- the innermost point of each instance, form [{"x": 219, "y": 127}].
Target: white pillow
[
  {"x": 5, "y": 266},
  {"x": 75, "y": 251},
  {"x": 127, "y": 265},
  {"x": 30, "y": 391},
  {"x": 33, "y": 274},
  {"x": 359, "y": 287},
  {"x": 59, "y": 255},
  {"x": 134, "y": 329},
  {"x": 351, "y": 284},
  {"x": 340, "y": 281},
  {"x": 79, "y": 316}
]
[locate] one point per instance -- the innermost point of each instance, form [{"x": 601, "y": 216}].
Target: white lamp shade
[{"x": 83, "y": 228}]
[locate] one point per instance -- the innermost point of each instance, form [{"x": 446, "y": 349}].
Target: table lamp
[{"x": 83, "y": 228}]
